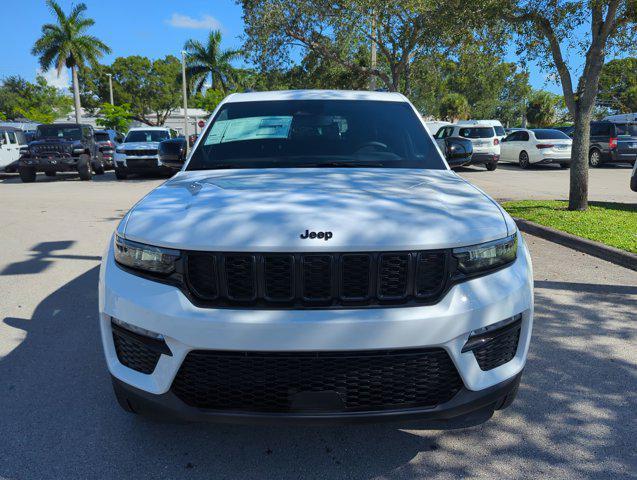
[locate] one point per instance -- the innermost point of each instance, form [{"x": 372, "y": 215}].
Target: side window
[
  {"x": 523, "y": 136},
  {"x": 12, "y": 139},
  {"x": 512, "y": 137},
  {"x": 440, "y": 133},
  {"x": 3, "y": 138}
]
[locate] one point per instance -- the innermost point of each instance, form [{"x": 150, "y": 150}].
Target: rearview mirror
[
  {"x": 458, "y": 151},
  {"x": 172, "y": 153}
]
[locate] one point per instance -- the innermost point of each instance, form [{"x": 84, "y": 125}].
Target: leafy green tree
[
  {"x": 38, "y": 102},
  {"x": 66, "y": 44},
  {"x": 208, "y": 60},
  {"x": 542, "y": 109},
  {"x": 152, "y": 89},
  {"x": 618, "y": 85},
  {"x": 208, "y": 100},
  {"x": 551, "y": 26},
  {"x": 115, "y": 117},
  {"x": 402, "y": 32},
  {"x": 513, "y": 97},
  {"x": 454, "y": 107}
]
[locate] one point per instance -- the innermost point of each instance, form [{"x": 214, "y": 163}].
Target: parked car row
[{"x": 484, "y": 135}]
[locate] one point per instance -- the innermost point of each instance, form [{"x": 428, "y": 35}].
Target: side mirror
[
  {"x": 172, "y": 153},
  {"x": 458, "y": 151}
]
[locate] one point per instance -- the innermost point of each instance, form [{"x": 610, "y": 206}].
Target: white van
[{"x": 11, "y": 140}]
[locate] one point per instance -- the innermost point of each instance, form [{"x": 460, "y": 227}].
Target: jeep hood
[{"x": 269, "y": 209}]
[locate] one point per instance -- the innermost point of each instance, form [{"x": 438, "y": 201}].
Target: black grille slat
[
  {"x": 203, "y": 275},
  {"x": 363, "y": 381},
  {"x": 500, "y": 350},
  {"x": 393, "y": 272},
  {"x": 278, "y": 277},
  {"x": 316, "y": 279},
  {"x": 240, "y": 270},
  {"x": 355, "y": 276},
  {"x": 430, "y": 273}
]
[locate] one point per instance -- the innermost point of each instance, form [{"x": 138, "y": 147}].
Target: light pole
[
  {"x": 372, "y": 80},
  {"x": 183, "y": 79},
  {"x": 110, "y": 86}
]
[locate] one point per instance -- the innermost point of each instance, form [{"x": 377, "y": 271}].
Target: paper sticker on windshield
[{"x": 250, "y": 128}]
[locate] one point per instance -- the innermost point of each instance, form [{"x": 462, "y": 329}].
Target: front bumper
[
  {"x": 53, "y": 163},
  {"x": 468, "y": 306},
  {"x": 481, "y": 158},
  {"x": 140, "y": 164}
]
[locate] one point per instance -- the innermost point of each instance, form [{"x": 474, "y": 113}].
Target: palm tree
[
  {"x": 66, "y": 44},
  {"x": 209, "y": 60}
]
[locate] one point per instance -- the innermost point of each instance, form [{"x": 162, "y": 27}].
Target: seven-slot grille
[
  {"x": 351, "y": 381},
  {"x": 316, "y": 279},
  {"x": 41, "y": 149},
  {"x": 141, "y": 153}
]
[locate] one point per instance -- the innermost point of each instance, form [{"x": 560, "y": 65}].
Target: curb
[{"x": 596, "y": 249}]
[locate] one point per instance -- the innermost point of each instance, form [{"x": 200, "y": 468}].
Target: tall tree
[
  {"x": 209, "y": 60},
  {"x": 403, "y": 32},
  {"x": 66, "y": 44},
  {"x": 551, "y": 26},
  {"x": 542, "y": 110}
]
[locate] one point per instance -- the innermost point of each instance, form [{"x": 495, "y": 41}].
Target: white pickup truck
[{"x": 316, "y": 260}]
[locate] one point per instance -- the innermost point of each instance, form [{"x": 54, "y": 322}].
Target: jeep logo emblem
[{"x": 324, "y": 235}]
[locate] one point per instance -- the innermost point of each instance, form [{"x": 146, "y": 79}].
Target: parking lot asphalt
[
  {"x": 574, "y": 416},
  {"x": 610, "y": 183}
]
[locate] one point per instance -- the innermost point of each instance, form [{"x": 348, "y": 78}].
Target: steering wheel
[{"x": 379, "y": 145}]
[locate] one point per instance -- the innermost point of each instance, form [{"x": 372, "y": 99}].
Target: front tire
[
  {"x": 99, "y": 165},
  {"x": 120, "y": 174},
  {"x": 524, "y": 161},
  {"x": 595, "y": 158},
  {"x": 84, "y": 168},
  {"x": 27, "y": 174}
]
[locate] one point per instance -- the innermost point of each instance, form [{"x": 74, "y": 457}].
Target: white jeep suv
[
  {"x": 316, "y": 259},
  {"x": 139, "y": 153}
]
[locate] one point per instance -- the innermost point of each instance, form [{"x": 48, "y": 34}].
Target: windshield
[
  {"x": 477, "y": 132},
  {"x": 626, "y": 129},
  {"x": 499, "y": 131},
  {"x": 55, "y": 131},
  {"x": 147, "y": 136},
  {"x": 550, "y": 134},
  {"x": 316, "y": 133},
  {"x": 102, "y": 137}
]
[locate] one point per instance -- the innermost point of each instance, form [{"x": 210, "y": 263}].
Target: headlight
[
  {"x": 487, "y": 256},
  {"x": 145, "y": 257},
  {"x": 78, "y": 150},
  {"x": 119, "y": 149}
]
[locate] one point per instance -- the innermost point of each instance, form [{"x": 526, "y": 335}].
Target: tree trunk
[
  {"x": 76, "y": 95},
  {"x": 578, "y": 191}
]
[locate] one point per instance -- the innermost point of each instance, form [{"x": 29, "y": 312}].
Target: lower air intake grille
[
  {"x": 276, "y": 382},
  {"x": 133, "y": 353},
  {"x": 501, "y": 349}
]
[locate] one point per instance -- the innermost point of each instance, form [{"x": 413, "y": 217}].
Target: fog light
[{"x": 138, "y": 330}]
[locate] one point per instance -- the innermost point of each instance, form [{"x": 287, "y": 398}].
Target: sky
[{"x": 152, "y": 28}]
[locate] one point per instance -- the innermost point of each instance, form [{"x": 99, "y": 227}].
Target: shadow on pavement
[
  {"x": 42, "y": 256},
  {"x": 574, "y": 416}
]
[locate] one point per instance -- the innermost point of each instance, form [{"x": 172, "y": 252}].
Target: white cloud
[
  {"x": 206, "y": 22},
  {"x": 51, "y": 77}
]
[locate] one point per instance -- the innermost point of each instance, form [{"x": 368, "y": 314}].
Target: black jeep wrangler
[{"x": 61, "y": 147}]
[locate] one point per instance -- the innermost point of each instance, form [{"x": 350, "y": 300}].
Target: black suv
[
  {"x": 612, "y": 142},
  {"x": 61, "y": 147}
]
